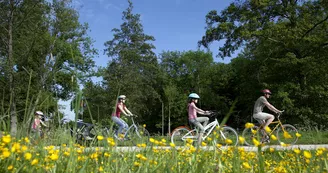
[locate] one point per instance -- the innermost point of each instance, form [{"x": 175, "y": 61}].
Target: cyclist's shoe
[{"x": 266, "y": 139}]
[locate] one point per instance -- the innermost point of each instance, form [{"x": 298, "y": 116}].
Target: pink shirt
[
  {"x": 118, "y": 110},
  {"x": 36, "y": 124},
  {"x": 192, "y": 113}
]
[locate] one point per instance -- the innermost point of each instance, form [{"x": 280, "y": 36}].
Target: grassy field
[{"x": 60, "y": 153}]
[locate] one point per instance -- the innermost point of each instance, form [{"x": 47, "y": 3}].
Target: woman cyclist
[
  {"x": 192, "y": 115},
  {"x": 116, "y": 117}
]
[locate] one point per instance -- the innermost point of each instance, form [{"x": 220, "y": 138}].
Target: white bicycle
[{"x": 213, "y": 134}]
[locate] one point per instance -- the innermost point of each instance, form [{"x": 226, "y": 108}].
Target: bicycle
[
  {"x": 134, "y": 133},
  {"x": 84, "y": 132},
  {"x": 213, "y": 132},
  {"x": 285, "y": 133}
]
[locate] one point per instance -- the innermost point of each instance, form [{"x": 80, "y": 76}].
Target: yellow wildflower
[
  {"x": 228, "y": 141},
  {"x": 297, "y": 151},
  {"x": 249, "y": 125},
  {"x": 246, "y": 165},
  {"x": 27, "y": 156},
  {"x": 307, "y": 154},
  {"x": 298, "y": 135},
  {"x": 163, "y": 140},
  {"x": 190, "y": 141},
  {"x": 5, "y": 153},
  {"x": 273, "y": 137},
  {"x": 204, "y": 144},
  {"x": 144, "y": 125},
  {"x": 100, "y": 138},
  {"x": 34, "y": 162},
  {"x": 100, "y": 169},
  {"x": 26, "y": 140},
  {"x": 66, "y": 153},
  {"x": 283, "y": 144},
  {"x": 172, "y": 145},
  {"x": 152, "y": 140},
  {"x": 241, "y": 140},
  {"x": 6, "y": 139},
  {"x": 54, "y": 157},
  {"x": 254, "y": 131},
  {"x": 24, "y": 148},
  {"x": 10, "y": 167},
  {"x": 271, "y": 149},
  {"x": 143, "y": 158},
  {"x": 136, "y": 164},
  {"x": 106, "y": 154},
  {"x": 287, "y": 135},
  {"x": 267, "y": 129},
  {"x": 219, "y": 145},
  {"x": 319, "y": 152},
  {"x": 256, "y": 142},
  {"x": 15, "y": 147}
]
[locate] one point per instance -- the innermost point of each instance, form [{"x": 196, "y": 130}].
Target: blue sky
[{"x": 177, "y": 25}]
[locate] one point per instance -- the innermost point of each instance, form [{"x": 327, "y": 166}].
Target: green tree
[
  {"x": 286, "y": 42},
  {"x": 133, "y": 69},
  {"x": 49, "y": 51}
]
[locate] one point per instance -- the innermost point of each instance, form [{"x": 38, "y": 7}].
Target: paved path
[{"x": 247, "y": 148}]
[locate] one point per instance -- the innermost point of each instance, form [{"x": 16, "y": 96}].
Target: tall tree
[
  {"x": 133, "y": 68},
  {"x": 49, "y": 49}
]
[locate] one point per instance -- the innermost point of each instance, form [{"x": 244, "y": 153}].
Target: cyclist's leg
[
  {"x": 121, "y": 123},
  {"x": 203, "y": 120},
  {"x": 264, "y": 119},
  {"x": 201, "y": 128}
]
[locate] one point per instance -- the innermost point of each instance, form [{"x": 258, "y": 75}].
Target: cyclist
[
  {"x": 262, "y": 117},
  {"x": 116, "y": 116},
  {"x": 38, "y": 123},
  {"x": 192, "y": 115}
]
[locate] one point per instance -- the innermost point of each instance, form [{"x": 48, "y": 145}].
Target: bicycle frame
[
  {"x": 279, "y": 124},
  {"x": 209, "y": 128},
  {"x": 133, "y": 125}
]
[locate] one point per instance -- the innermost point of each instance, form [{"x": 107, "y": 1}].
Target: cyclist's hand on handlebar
[{"x": 280, "y": 112}]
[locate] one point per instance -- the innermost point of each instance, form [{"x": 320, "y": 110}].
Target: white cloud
[{"x": 109, "y": 5}]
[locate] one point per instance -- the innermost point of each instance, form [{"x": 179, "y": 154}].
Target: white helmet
[
  {"x": 121, "y": 97},
  {"x": 39, "y": 113}
]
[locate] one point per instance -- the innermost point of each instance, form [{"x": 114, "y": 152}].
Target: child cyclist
[
  {"x": 37, "y": 124},
  {"x": 192, "y": 115},
  {"x": 116, "y": 116}
]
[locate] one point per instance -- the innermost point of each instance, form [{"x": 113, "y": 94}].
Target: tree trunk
[{"x": 13, "y": 114}]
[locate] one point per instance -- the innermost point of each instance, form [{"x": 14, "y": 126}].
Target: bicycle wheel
[
  {"x": 250, "y": 133},
  {"x": 138, "y": 135},
  {"x": 287, "y": 134},
  {"x": 181, "y": 134},
  {"x": 227, "y": 136}
]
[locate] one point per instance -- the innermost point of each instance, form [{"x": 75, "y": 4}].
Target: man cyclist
[{"x": 262, "y": 117}]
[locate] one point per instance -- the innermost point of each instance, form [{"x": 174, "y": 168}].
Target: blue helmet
[{"x": 194, "y": 96}]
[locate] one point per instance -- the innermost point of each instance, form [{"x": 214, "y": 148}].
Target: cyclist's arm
[
  {"x": 200, "y": 111},
  {"x": 43, "y": 123},
  {"x": 127, "y": 111},
  {"x": 271, "y": 107}
]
